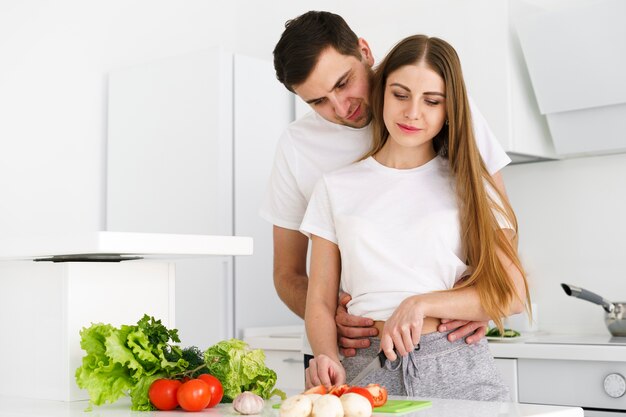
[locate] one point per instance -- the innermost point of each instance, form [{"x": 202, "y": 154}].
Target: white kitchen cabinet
[
  {"x": 283, "y": 353},
  {"x": 45, "y": 304},
  {"x": 580, "y": 98},
  {"x": 483, "y": 33},
  {"x": 43, "y": 307},
  {"x": 289, "y": 366},
  {"x": 191, "y": 141},
  {"x": 508, "y": 371}
]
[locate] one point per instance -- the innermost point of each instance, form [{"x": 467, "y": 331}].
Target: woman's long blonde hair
[{"x": 480, "y": 230}]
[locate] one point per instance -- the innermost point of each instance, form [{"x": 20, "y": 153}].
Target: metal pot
[{"x": 615, "y": 313}]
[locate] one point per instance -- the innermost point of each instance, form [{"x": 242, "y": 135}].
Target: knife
[{"x": 377, "y": 363}]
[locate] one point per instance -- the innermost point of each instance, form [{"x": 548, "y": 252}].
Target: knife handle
[{"x": 382, "y": 358}]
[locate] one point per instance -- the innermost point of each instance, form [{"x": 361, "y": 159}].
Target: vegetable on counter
[
  {"x": 194, "y": 395},
  {"x": 143, "y": 361},
  {"x": 296, "y": 406},
  {"x": 215, "y": 387},
  {"x": 338, "y": 401},
  {"x": 248, "y": 403},
  {"x": 127, "y": 360},
  {"x": 162, "y": 393},
  {"x": 495, "y": 332},
  {"x": 240, "y": 369}
]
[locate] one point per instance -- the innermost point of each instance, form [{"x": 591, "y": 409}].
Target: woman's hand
[
  {"x": 325, "y": 371},
  {"x": 403, "y": 329}
]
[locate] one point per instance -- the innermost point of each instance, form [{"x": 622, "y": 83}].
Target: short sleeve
[
  {"x": 318, "y": 219},
  {"x": 490, "y": 149},
  {"x": 284, "y": 204}
]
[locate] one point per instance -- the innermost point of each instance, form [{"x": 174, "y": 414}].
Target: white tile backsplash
[{"x": 572, "y": 221}]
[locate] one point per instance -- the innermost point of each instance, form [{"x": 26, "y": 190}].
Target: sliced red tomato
[
  {"x": 339, "y": 390},
  {"x": 215, "y": 387},
  {"x": 362, "y": 391},
  {"x": 379, "y": 394},
  {"x": 318, "y": 389}
]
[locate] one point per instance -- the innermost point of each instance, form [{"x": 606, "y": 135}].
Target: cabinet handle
[{"x": 292, "y": 360}]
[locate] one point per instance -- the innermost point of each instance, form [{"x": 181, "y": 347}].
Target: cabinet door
[
  {"x": 170, "y": 146},
  {"x": 289, "y": 367},
  {"x": 169, "y": 170},
  {"x": 262, "y": 110},
  {"x": 508, "y": 371}
]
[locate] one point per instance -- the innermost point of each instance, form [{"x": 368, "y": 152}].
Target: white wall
[
  {"x": 572, "y": 228},
  {"x": 55, "y": 57}
]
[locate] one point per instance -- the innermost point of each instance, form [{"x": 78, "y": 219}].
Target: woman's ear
[{"x": 366, "y": 52}]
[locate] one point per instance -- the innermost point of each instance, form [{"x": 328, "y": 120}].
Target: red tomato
[
  {"x": 379, "y": 394},
  {"x": 362, "y": 391},
  {"x": 194, "y": 395},
  {"x": 318, "y": 389},
  {"x": 339, "y": 390},
  {"x": 215, "y": 387},
  {"x": 162, "y": 393}
]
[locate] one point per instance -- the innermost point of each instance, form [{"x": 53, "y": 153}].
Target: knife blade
[{"x": 377, "y": 363}]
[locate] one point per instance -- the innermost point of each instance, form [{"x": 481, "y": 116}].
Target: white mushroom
[
  {"x": 296, "y": 406},
  {"x": 313, "y": 397},
  {"x": 327, "y": 405},
  {"x": 356, "y": 405}
]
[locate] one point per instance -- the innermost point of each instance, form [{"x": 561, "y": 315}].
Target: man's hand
[
  {"x": 474, "y": 330},
  {"x": 352, "y": 331}
]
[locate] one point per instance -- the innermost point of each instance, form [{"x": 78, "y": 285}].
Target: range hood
[{"x": 575, "y": 55}]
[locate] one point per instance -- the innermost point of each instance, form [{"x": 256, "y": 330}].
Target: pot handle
[{"x": 584, "y": 294}]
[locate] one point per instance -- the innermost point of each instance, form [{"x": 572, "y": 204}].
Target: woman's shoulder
[{"x": 357, "y": 168}]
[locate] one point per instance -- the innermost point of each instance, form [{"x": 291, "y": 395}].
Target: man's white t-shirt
[{"x": 398, "y": 231}]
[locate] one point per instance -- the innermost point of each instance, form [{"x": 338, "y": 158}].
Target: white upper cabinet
[
  {"x": 498, "y": 80},
  {"x": 483, "y": 33},
  {"x": 576, "y": 56},
  {"x": 191, "y": 141},
  {"x": 170, "y": 138}
]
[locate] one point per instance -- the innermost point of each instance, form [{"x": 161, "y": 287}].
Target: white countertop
[
  {"x": 561, "y": 347},
  {"x": 535, "y": 346},
  {"x": 145, "y": 245},
  {"x": 440, "y": 408}
]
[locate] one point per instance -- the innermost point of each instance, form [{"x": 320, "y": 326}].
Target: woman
[{"x": 398, "y": 229}]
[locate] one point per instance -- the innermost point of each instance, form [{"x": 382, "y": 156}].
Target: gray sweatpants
[{"x": 440, "y": 369}]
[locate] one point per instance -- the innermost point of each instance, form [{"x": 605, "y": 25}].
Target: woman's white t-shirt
[{"x": 398, "y": 231}]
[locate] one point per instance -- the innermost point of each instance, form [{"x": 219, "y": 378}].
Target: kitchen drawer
[
  {"x": 508, "y": 371},
  {"x": 289, "y": 366},
  {"x": 565, "y": 382}
]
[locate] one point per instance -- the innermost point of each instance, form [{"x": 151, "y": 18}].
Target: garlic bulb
[{"x": 248, "y": 403}]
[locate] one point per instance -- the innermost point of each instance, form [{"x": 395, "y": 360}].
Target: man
[{"x": 319, "y": 58}]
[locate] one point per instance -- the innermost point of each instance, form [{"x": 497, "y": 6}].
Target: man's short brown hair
[{"x": 304, "y": 39}]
